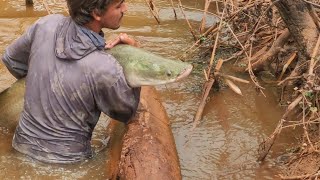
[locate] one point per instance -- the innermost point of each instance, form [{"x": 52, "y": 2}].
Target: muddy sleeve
[
  {"x": 17, "y": 54},
  {"x": 119, "y": 101}
]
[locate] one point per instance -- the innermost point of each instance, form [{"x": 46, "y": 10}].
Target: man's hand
[{"x": 123, "y": 38}]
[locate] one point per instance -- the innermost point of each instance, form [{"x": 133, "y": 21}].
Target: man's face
[{"x": 111, "y": 18}]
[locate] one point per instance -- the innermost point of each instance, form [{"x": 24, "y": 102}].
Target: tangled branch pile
[{"x": 277, "y": 36}]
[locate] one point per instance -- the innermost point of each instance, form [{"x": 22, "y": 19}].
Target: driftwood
[
  {"x": 149, "y": 150},
  {"x": 275, "y": 49},
  {"x": 154, "y": 10}
]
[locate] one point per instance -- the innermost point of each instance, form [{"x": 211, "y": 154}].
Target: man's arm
[
  {"x": 122, "y": 100},
  {"x": 118, "y": 101},
  {"x": 16, "y": 55}
]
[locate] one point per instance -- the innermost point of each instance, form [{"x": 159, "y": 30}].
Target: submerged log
[
  {"x": 149, "y": 150},
  {"x": 29, "y": 2}
]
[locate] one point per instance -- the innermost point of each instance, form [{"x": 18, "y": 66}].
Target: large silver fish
[
  {"x": 140, "y": 68},
  {"x": 144, "y": 68}
]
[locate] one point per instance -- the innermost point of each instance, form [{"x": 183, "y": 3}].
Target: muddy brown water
[{"x": 222, "y": 146}]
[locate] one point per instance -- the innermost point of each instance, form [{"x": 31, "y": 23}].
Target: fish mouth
[{"x": 185, "y": 73}]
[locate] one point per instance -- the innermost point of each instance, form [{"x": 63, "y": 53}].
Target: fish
[
  {"x": 155, "y": 70},
  {"x": 143, "y": 68},
  {"x": 11, "y": 105}
]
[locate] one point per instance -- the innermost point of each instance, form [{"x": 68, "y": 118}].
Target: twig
[
  {"x": 314, "y": 53},
  {"x": 261, "y": 16},
  {"x": 292, "y": 57},
  {"x": 233, "y": 78},
  {"x": 314, "y": 4},
  {"x": 252, "y": 76},
  {"x": 153, "y": 10},
  {"x": 203, "y": 20},
  {"x": 248, "y": 5},
  {"x": 208, "y": 84},
  {"x": 207, "y": 87},
  {"x": 315, "y": 121},
  {"x": 305, "y": 129},
  {"x": 288, "y": 78},
  {"x": 190, "y": 27},
  {"x": 265, "y": 146},
  {"x": 307, "y": 176},
  {"x": 292, "y": 106},
  {"x": 174, "y": 10},
  {"x": 275, "y": 49},
  {"x": 212, "y": 29},
  {"x": 215, "y": 44}
]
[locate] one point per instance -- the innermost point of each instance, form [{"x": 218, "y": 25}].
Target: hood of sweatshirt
[{"x": 73, "y": 41}]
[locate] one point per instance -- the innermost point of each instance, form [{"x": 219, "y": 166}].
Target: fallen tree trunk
[
  {"x": 149, "y": 150},
  {"x": 302, "y": 24}
]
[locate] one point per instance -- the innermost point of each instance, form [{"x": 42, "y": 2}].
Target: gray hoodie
[{"x": 69, "y": 81}]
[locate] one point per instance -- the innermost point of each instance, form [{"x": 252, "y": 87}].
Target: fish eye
[{"x": 169, "y": 73}]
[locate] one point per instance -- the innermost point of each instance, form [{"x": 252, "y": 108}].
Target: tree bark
[
  {"x": 301, "y": 22},
  {"x": 149, "y": 150}
]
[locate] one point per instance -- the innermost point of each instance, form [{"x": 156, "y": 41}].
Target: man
[{"x": 69, "y": 80}]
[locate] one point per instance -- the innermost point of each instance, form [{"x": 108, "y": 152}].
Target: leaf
[
  {"x": 203, "y": 38},
  {"x": 234, "y": 87},
  {"x": 313, "y": 109},
  {"x": 308, "y": 94}
]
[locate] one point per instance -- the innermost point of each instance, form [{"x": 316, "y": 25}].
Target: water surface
[{"x": 222, "y": 146}]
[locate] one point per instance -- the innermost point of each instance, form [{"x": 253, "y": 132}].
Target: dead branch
[
  {"x": 233, "y": 78},
  {"x": 275, "y": 49},
  {"x": 266, "y": 145},
  {"x": 292, "y": 57},
  {"x": 212, "y": 30},
  {"x": 174, "y": 10},
  {"x": 314, "y": 53},
  {"x": 208, "y": 84},
  {"x": 203, "y": 20},
  {"x": 307, "y": 176},
  {"x": 153, "y": 10},
  {"x": 305, "y": 129},
  {"x": 190, "y": 27}
]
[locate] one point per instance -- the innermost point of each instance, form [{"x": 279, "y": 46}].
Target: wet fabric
[{"x": 69, "y": 81}]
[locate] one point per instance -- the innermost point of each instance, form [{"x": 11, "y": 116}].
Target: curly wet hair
[{"x": 81, "y": 10}]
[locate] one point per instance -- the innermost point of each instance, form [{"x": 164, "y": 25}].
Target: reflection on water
[{"x": 222, "y": 146}]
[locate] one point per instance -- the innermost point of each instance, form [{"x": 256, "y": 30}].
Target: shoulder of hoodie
[
  {"x": 50, "y": 19},
  {"x": 46, "y": 23}
]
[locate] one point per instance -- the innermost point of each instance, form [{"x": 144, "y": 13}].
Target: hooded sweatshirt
[{"x": 70, "y": 80}]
